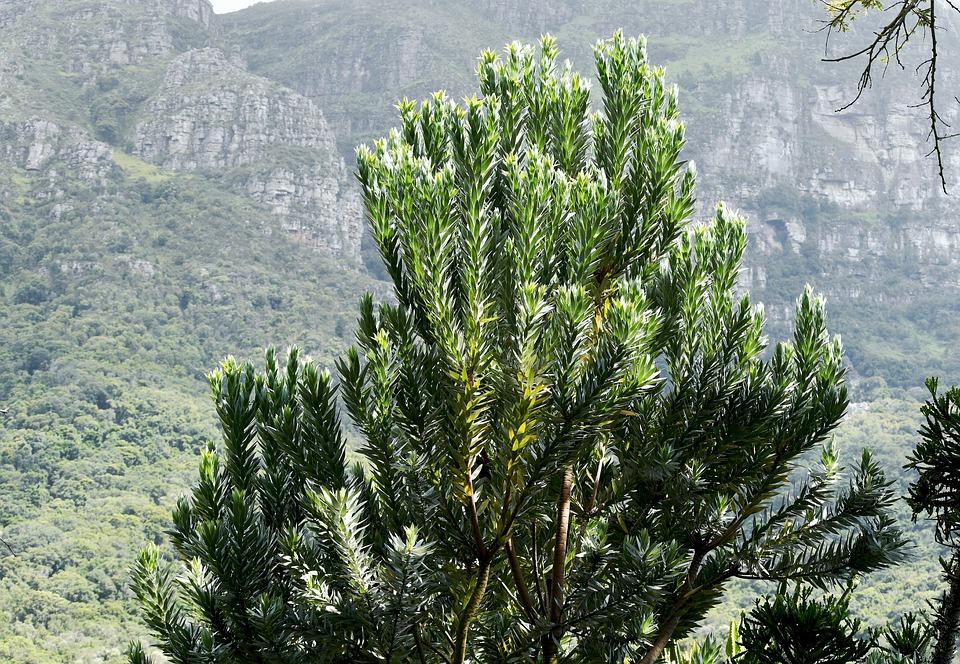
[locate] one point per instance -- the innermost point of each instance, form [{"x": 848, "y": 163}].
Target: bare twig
[{"x": 907, "y": 18}]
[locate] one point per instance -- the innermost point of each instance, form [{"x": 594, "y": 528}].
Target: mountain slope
[
  {"x": 100, "y": 363},
  {"x": 160, "y": 207},
  {"x": 84, "y": 81}
]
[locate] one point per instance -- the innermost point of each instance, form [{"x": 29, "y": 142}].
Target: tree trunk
[
  {"x": 551, "y": 641},
  {"x": 948, "y": 614},
  {"x": 662, "y": 641},
  {"x": 470, "y": 611}
]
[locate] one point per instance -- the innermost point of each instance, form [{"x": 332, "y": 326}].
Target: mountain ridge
[{"x": 127, "y": 74}]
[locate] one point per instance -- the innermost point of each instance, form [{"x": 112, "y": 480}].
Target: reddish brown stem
[
  {"x": 523, "y": 593},
  {"x": 555, "y": 592}
]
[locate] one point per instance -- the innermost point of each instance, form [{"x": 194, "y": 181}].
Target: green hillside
[
  {"x": 121, "y": 284},
  {"x": 111, "y": 315}
]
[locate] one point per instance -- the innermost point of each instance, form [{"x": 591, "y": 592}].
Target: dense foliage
[
  {"x": 800, "y": 627},
  {"x": 794, "y": 628},
  {"x": 572, "y": 437},
  {"x": 803, "y": 628},
  {"x": 936, "y": 494}
]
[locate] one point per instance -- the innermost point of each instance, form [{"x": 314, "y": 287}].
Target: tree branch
[
  {"x": 948, "y": 614},
  {"x": 886, "y": 45},
  {"x": 470, "y": 612},
  {"x": 555, "y": 591},
  {"x": 523, "y": 593}
]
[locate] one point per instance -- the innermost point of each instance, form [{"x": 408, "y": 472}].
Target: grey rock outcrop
[
  {"x": 38, "y": 145},
  {"x": 210, "y": 113},
  {"x": 91, "y": 38},
  {"x": 315, "y": 207},
  {"x": 200, "y": 11}
]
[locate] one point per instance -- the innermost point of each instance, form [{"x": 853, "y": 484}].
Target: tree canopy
[{"x": 573, "y": 432}]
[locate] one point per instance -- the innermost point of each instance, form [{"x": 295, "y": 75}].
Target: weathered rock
[
  {"x": 200, "y": 11},
  {"x": 314, "y": 207},
  {"x": 37, "y": 145},
  {"x": 212, "y": 114}
]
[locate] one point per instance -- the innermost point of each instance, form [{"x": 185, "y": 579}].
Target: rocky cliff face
[
  {"x": 313, "y": 206},
  {"x": 849, "y": 199},
  {"x": 148, "y": 78},
  {"x": 761, "y": 110},
  {"x": 40, "y": 146},
  {"x": 210, "y": 113},
  {"x": 87, "y": 38},
  {"x": 200, "y": 11}
]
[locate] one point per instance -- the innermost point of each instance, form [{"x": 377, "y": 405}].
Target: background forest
[{"x": 176, "y": 186}]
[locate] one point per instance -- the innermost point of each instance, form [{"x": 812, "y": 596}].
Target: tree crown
[{"x": 573, "y": 432}]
